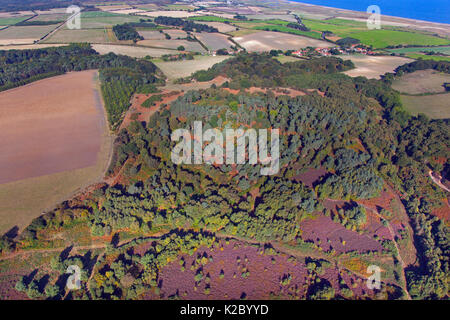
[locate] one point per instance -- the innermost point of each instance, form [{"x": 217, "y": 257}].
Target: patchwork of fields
[{"x": 266, "y": 41}]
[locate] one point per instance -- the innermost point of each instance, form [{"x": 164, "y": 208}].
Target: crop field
[
  {"x": 376, "y": 38},
  {"x": 81, "y": 35},
  {"x": 383, "y": 38},
  {"x": 179, "y": 7},
  {"x": 152, "y": 35},
  {"x": 132, "y": 51},
  {"x": 12, "y": 20},
  {"x": 24, "y": 34},
  {"x": 421, "y": 81},
  {"x": 52, "y": 11},
  {"x": 211, "y": 18},
  {"x": 443, "y": 49},
  {"x": 285, "y": 17},
  {"x": 372, "y": 67},
  {"x": 31, "y": 46},
  {"x": 173, "y": 14},
  {"x": 9, "y": 14},
  {"x": 100, "y": 19},
  {"x": 128, "y": 11},
  {"x": 54, "y": 141},
  {"x": 428, "y": 57},
  {"x": 181, "y": 69},
  {"x": 113, "y": 7},
  {"x": 276, "y": 25},
  {"x": 435, "y": 106},
  {"x": 51, "y": 17},
  {"x": 172, "y": 44},
  {"x": 214, "y": 41},
  {"x": 266, "y": 41},
  {"x": 222, "y": 27},
  {"x": 339, "y": 27},
  {"x": 176, "y": 33}
]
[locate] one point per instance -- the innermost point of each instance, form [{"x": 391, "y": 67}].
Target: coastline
[{"x": 442, "y": 29}]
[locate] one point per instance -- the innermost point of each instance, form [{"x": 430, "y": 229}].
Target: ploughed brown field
[
  {"x": 54, "y": 141},
  {"x": 49, "y": 126}
]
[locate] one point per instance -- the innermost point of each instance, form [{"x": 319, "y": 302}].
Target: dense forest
[
  {"x": 126, "y": 32},
  {"x": 186, "y": 25},
  {"x": 353, "y": 128}
]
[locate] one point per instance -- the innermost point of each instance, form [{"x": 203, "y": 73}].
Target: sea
[{"x": 429, "y": 10}]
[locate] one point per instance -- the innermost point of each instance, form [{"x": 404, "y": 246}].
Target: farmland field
[
  {"x": 180, "y": 69},
  {"x": 82, "y": 35},
  {"x": 172, "y": 44},
  {"x": 113, "y": 7},
  {"x": 383, "y": 38},
  {"x": 174, "y": 14},
  {"x": 176, "y": 33},
  {"x": 31, "y": 46},
  {"x": 284, "y": 29},
  {"x": 434, "y": 106},
  {"x": 100, "y": 19},
  {"x": 443, "y": 49},
  {"x": 51, "y": 17},
  {"x": 373, "y": 66},
  {"x": 428, "y": 57},
  {"x": 152, "y": 35},
  {"x": 222, "y": 27},
  {"x": 421, "y": 81},
  {"x": 214, "y": 41},
  {"x": 24, "y": 34},
  {"x": 132, "y": 51},
  {"x": 54, "y": 141},
  {"x": 266, "y": 41},
  {"x": 12, "y": 20}
]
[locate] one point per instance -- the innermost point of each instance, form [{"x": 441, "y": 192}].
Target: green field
[
  {"x": 86, "y": 35},
  {"x": 445, "y": 50},
  {"x": 340, "y": 27},
  {"x": 383, "y": 38},
  {"x": 12, "y": 20},
  {"x": 97, "y": 19},
  {"x": 29, "y": 33},
  {"x": 376, "y": 38},
  {"x": 284, "y": 29},
  {"x": 210, "y": 18},
  {"x": 427, "y": 57},
  {"x": 388, "y": 36},
  {"x": 435, "y": 106}
]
